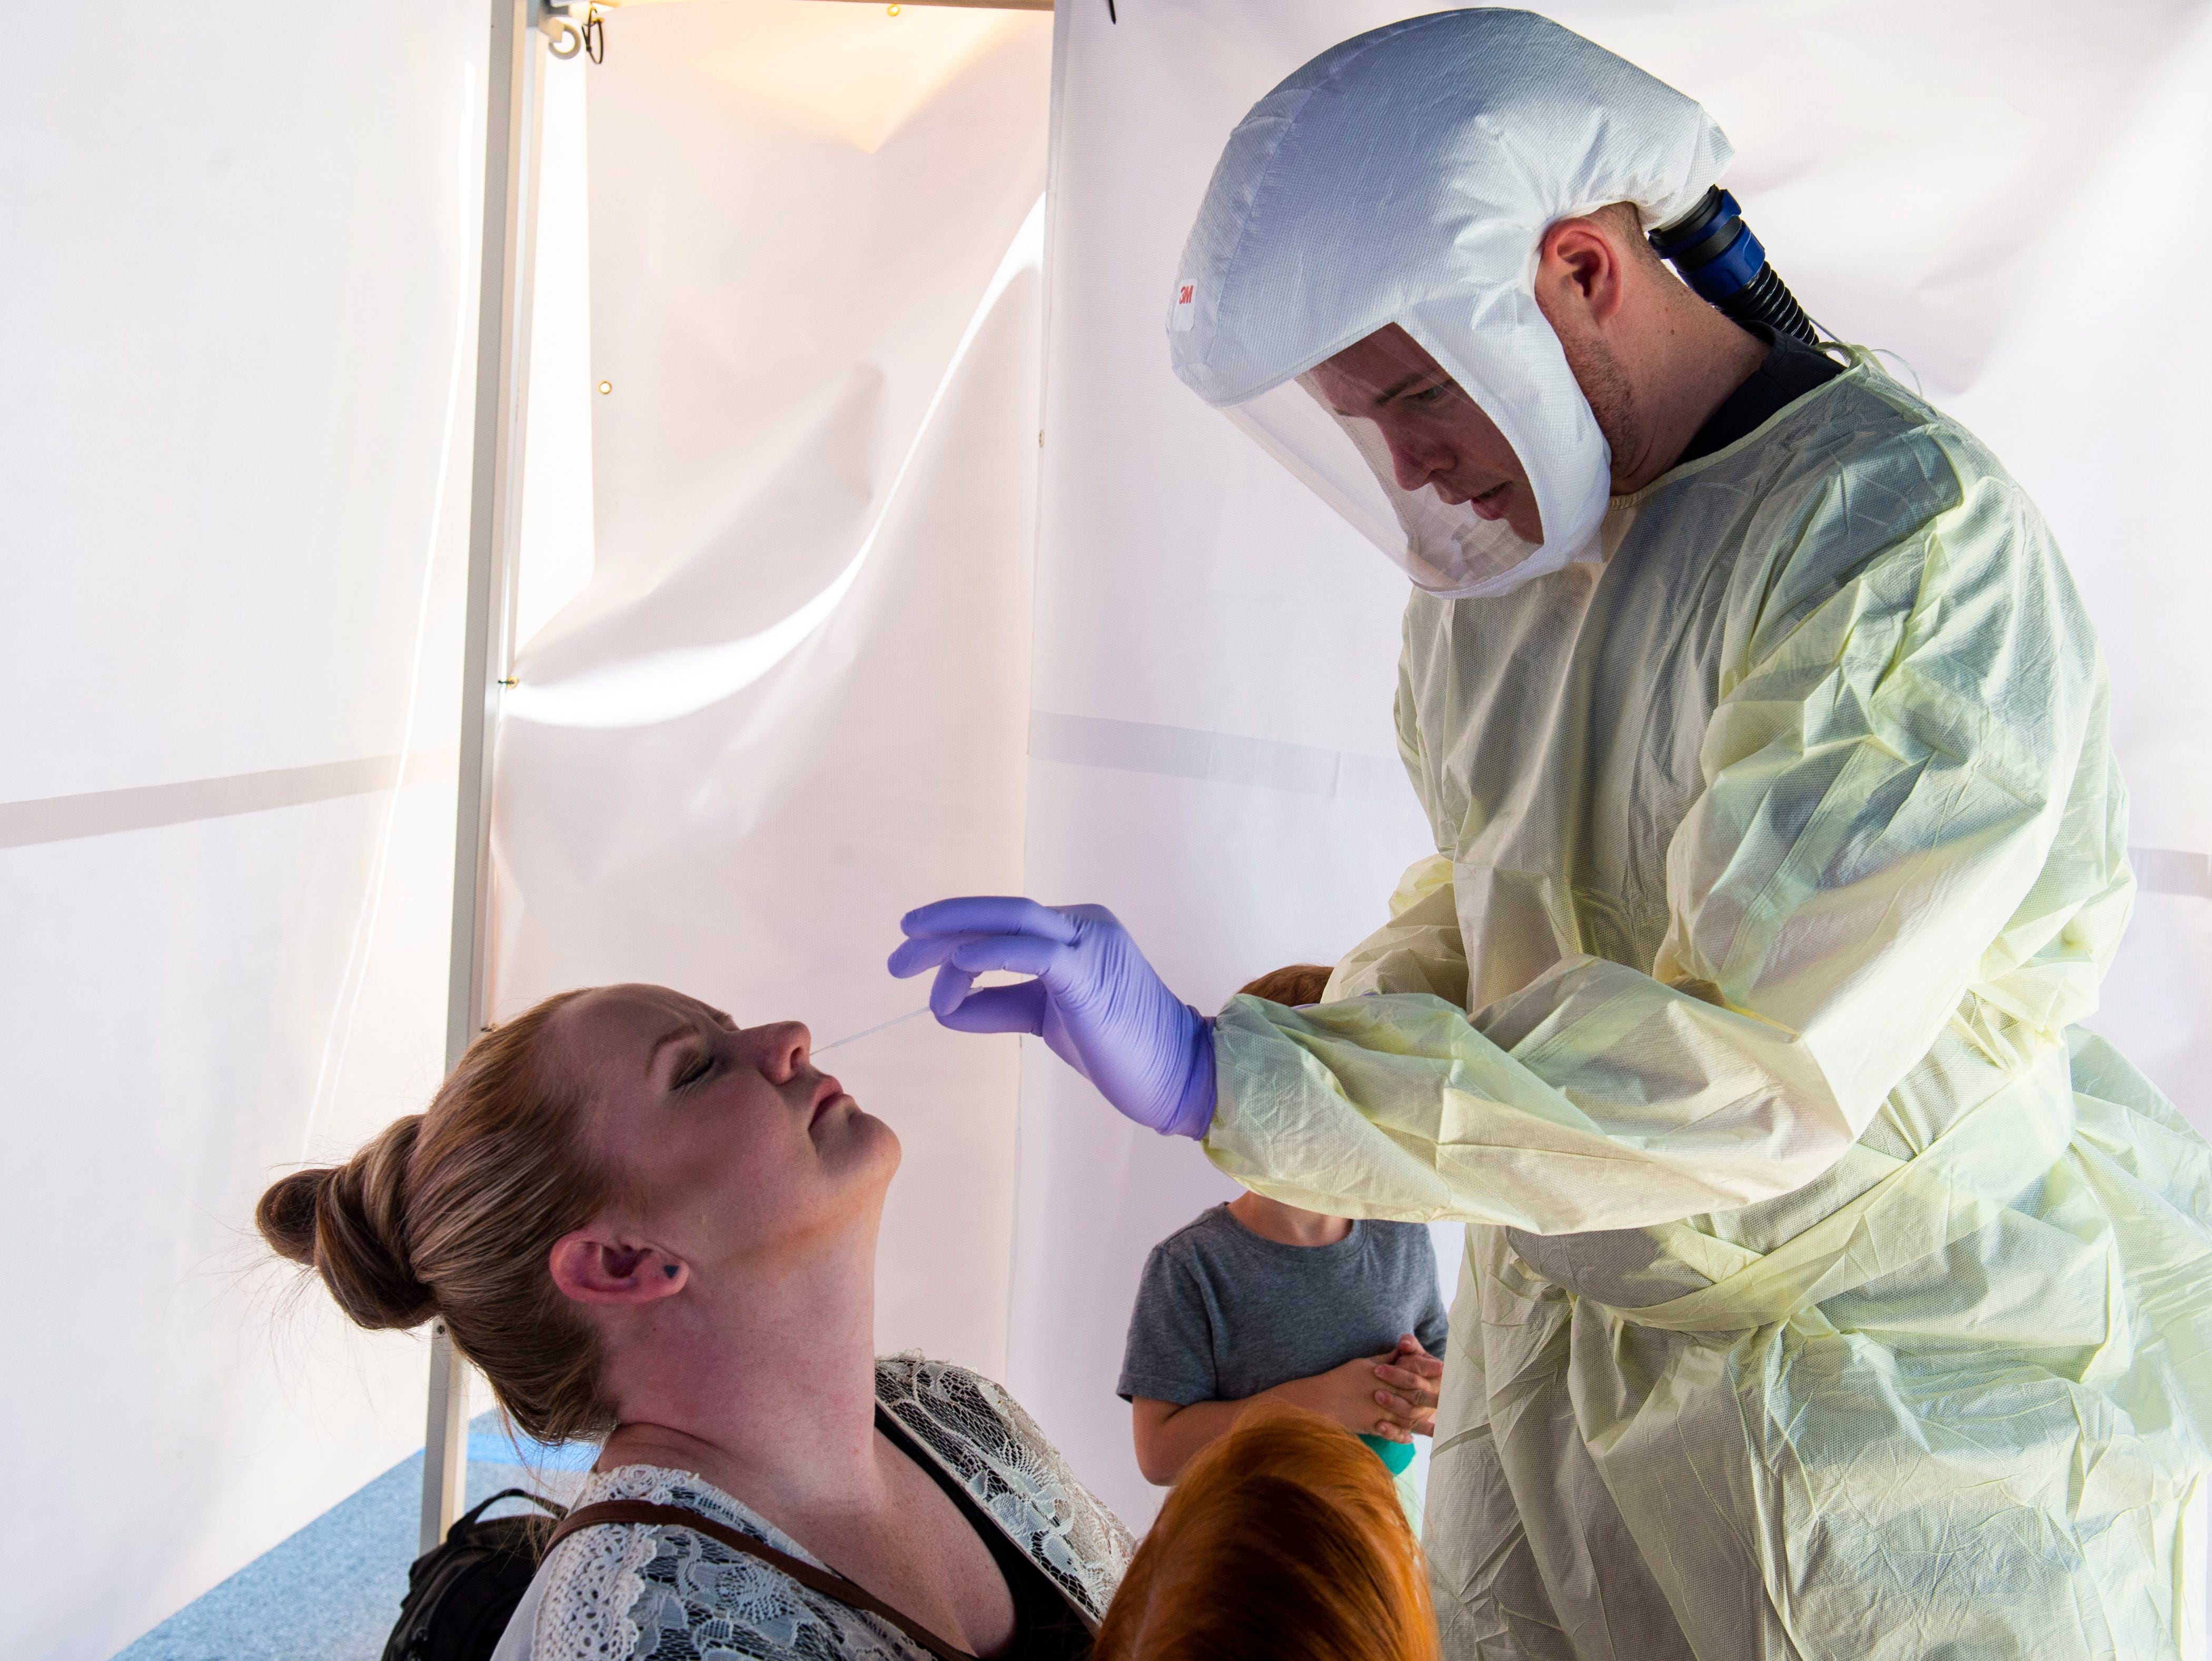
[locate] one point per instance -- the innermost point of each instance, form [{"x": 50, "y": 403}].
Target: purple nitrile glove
[{"x": 1095, "y": 1000}]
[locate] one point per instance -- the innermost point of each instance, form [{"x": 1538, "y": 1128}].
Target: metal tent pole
[{"x": 514, "y": 117}]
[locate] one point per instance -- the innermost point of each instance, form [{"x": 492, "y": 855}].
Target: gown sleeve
[
  {"x": 1418, "y": 950},
  {"x": 1886, "y": 778}
]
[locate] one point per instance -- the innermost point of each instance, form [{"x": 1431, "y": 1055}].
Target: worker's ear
[
  {"x": 1579, "y": 271},
  {"x": 600, "y": 1263}
]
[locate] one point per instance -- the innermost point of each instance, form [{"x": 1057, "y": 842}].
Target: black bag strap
[
  {"x": 827, "y": 1582},
  {"x": 476, "y": 1511}
]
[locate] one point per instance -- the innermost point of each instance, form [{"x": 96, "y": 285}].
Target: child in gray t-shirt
[{"x": 1258, "y": 1298}]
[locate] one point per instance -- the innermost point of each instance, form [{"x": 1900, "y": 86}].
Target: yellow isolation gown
[{"x": 1828, "y": 1291}]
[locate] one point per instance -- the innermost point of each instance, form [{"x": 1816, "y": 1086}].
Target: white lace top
[{"x": 643, "y": 1593}]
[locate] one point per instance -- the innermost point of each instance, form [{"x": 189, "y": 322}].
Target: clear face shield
[{"x": 1395, "y": 442}]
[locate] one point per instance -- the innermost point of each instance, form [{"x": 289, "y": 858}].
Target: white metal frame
[{"x": 514, "y": 112}]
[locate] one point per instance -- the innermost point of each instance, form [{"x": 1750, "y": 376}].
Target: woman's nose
[{"x": 785, "y": 1047}]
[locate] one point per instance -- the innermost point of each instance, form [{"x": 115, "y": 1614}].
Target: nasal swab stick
[{"x": 870, "y": 1032}]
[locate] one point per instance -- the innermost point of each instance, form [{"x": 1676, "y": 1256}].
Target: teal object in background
[{"x": 1394, "y": 1454}]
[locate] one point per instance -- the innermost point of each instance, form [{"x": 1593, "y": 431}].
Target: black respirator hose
[{"x": 1723, "y": 263}]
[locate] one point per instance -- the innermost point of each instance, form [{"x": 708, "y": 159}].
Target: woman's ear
[{"x": 597, "y": 1264}]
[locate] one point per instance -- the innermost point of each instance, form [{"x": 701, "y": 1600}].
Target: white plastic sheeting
[
  {"x": 1214, "y": 651},
  {"x": 235, "y": 463},
  {"x": 241, "y": 276},
  {"x": 791, "y": 701}
]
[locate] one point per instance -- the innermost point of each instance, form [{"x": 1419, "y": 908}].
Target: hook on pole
[{"x": 565, "y": 38}]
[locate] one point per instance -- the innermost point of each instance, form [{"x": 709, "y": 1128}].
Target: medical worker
[{"x": 1829, "y": 1291}]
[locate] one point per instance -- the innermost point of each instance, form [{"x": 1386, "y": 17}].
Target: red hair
[
  {"x": 1296, "y": 984},
  {"x": 1285, "y": 1541}
]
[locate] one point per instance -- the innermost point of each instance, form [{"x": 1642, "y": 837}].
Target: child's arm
[{"x": 1168, "y": 1436}]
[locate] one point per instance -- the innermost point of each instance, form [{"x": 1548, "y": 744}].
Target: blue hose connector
[{"x": 1724, "y": 265}]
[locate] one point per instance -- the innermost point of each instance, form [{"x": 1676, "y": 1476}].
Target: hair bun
[{"x": 349, "y": 1222}]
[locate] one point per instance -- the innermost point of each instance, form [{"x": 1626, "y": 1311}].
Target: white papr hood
[{"x": 1405, "y": 176}]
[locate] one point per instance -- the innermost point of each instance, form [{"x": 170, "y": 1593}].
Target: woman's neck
[{"x": 762, "y": 1383}]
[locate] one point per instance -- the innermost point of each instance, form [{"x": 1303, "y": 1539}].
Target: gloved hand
[{"x": 1095, "y": 1000}]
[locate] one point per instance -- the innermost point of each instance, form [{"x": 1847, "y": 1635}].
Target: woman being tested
[{"x": 647, "y": 1224}]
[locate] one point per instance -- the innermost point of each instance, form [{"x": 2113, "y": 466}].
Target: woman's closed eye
[{"x": 691, "y": 1071}]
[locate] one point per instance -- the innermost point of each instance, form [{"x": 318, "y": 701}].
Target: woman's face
[{"x": 733, "y": 1147}]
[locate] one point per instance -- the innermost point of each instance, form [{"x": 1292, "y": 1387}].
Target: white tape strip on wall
[{"x": 146, "y": 806}]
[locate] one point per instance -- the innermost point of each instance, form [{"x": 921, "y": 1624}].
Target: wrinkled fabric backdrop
[{"x": 790, "y": 700}]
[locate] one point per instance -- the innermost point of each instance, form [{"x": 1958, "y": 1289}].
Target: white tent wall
[
  {"x": 240, "y": 274},
  {"x": 1961, "y": 184},
  {"x": 790, "y": 702},
  {"x": 796, "y": 695},
  {"x": 1211, "y": 753}
]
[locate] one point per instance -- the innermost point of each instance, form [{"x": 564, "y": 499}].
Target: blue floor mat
[{"x": 332, "y": 1591}]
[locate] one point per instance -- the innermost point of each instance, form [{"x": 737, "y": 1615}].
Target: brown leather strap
[{"x": 827, "y": 1582}]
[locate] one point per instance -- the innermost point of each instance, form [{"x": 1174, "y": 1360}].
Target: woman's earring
[{"x": 669, "y": 1270}]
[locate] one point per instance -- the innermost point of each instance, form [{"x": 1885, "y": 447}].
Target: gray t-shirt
[{"x": 1222, "y": 1314}]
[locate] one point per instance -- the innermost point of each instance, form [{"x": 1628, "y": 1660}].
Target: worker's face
[{"x": 1438, "y": 436}]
